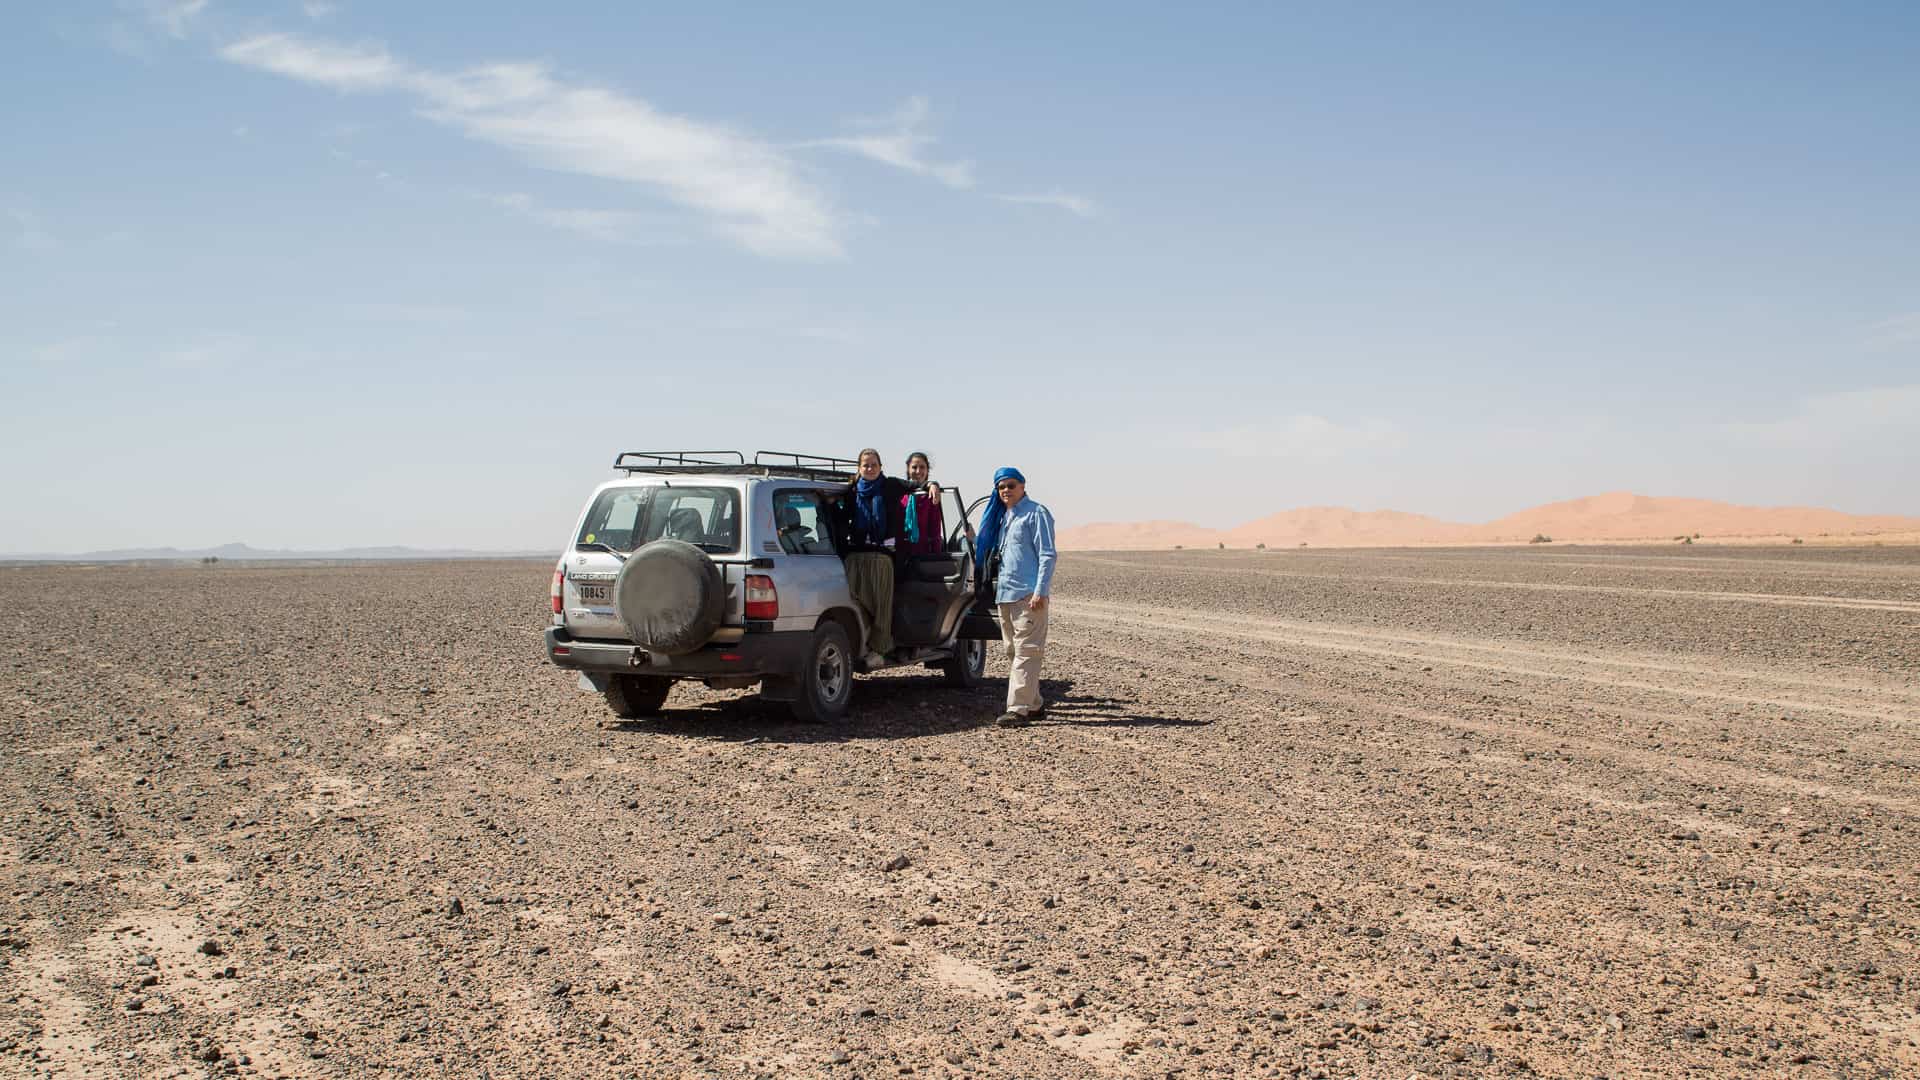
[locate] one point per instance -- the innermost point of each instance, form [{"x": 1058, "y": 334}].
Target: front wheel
[
  {"x": 969, "y": 668},
  {"x": 631, "y": 696},
  {"x": 826, "y": 680}
]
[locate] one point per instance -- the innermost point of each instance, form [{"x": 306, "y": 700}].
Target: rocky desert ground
[{"x": 1387, "y": 813}]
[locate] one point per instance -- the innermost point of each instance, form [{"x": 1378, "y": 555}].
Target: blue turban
[{"x": 992, "y": 520}]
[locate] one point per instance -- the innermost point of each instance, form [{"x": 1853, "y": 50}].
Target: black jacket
[{"x": 893, "y": 494}]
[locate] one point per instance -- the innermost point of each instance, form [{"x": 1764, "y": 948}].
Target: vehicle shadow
[
  {"x": 1089, "y": 710},
  {"x": 895, "y": 706},
  {"x": 908, "y": 706}
]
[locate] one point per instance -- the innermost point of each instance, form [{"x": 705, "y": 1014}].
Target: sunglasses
[{"x": 1008, "y": 486}]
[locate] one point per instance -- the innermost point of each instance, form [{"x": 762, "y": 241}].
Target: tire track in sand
[{"x": 1901, "y": 703}]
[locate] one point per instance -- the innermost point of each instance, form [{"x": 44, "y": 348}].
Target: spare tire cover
[{"x": 670, "y": 597}]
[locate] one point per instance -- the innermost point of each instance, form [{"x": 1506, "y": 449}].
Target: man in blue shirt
[{"x": 1021, "y": 530}]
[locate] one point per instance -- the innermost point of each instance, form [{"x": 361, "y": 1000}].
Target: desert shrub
[
  {"x": 1797, "y": 540},
  {"x": 209, "y": 560},
  {"x": 1259, "y": 547},
  {"x": 1686, "y": 539},
  {"x": 1541, "y": 538},
  {"x": 1179, "y": 547},
  {"x": 1223, "y": 547},
  {"x": 1303, "y": 543}
]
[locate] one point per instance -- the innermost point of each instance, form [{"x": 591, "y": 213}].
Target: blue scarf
[
  {"x": 993, "y": 520},
  {"x": 870, "y": 511}
]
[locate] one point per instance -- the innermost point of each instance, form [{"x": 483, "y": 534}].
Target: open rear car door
[
  {"x": 979, "y": 623},
  {"x": 933, "y": 593}
]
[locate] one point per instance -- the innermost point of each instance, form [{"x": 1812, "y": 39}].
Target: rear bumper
[{"x": 771, "y": 653}]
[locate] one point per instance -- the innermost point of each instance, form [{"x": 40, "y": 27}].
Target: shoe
[
  {"x": 1012, "y": 719},
  {"x": 874, "y": 661}
]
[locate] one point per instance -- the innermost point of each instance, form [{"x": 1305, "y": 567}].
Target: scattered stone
[
  {"x": 839, "y": 1057},
  {"x": 896, "y": 864},
  {"x": 136, "y": 1003},
  {"x": 144, "y": 960},
  {"x": 455, "y": 908},
  {"x": 210, "y": 947}
]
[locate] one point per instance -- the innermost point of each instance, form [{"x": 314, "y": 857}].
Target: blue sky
[{"x": 321, "y": 274}]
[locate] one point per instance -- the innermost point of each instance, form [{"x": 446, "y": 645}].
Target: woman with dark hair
[{"x": 923, "y": 526}]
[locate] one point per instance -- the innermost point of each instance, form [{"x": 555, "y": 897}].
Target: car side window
[{"x": 802, "y": 521}]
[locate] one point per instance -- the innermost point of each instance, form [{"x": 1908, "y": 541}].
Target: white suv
[{"x": 701, "y": 565}]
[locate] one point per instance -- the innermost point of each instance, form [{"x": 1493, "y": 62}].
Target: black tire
[
  {"x": 826, "y": 680},
  {"x": 969, "y": 669},
  {"x": 670, "y": 597},
  {"x": 633, "y": 696}
]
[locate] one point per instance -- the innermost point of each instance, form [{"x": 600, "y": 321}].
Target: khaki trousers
[
  {"x": 870, "y": 580},
  {"x": 1025, "y": 633}
]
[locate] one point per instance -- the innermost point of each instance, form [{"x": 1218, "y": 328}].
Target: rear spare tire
[{"x": 670, "y": 597}]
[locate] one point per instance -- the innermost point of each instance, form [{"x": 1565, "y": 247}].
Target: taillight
[
  {"x": 763, "y": 601},
  {"x": 559, "y": 575}
]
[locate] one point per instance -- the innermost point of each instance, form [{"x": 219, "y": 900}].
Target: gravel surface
[{"x": 1574, "y": 812}]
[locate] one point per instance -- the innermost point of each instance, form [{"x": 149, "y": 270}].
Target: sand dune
[
  {"x": 1617, "y": 515},
  {"x": 1337, "y": 526}
]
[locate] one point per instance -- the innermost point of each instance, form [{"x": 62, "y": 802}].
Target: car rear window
[{"x": 626, "y": 518}]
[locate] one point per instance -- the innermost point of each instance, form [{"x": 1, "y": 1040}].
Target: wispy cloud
[
  {"x": 751, "y": 193},
  {"x": 142, "y": 27},
  {"x": 1899, "y": 330},
  {"x": 1845, "y": 417},
  {"x": 611, "y": 226},
  {"x": 903, "y": 144},
  {"x": 176, "y": 17},
  {"x": 1301, "y": 436},
  {"x": 1073, "y": 204},
  {"x": 318, "y": 9}
]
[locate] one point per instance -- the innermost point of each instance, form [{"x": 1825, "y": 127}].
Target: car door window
[
  {"x": 955, "y": 513},
  {"x": 803, "y": 524}
]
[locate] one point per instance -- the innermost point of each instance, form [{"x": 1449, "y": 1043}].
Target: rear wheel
[
  {"x": 826, "y": 679},
  {"x": 969, "y": 668},
  {"x": 631, "y": 696}
]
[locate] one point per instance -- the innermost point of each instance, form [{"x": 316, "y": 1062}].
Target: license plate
[{"x": 594, "y": 594}]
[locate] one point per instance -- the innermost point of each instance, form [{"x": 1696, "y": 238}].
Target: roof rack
[
  {"x": 655, "y": 458},
  {"x": 734, "y": 463},
  {"x": 813, "y": 462}
]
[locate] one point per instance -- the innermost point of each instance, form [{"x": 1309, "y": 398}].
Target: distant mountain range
[
  {"x": 242, "y": 553},
  {"x": 1614, "y": 516}
]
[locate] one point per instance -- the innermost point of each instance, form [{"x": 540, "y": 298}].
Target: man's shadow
[{"x": 1065, "y": 706}]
